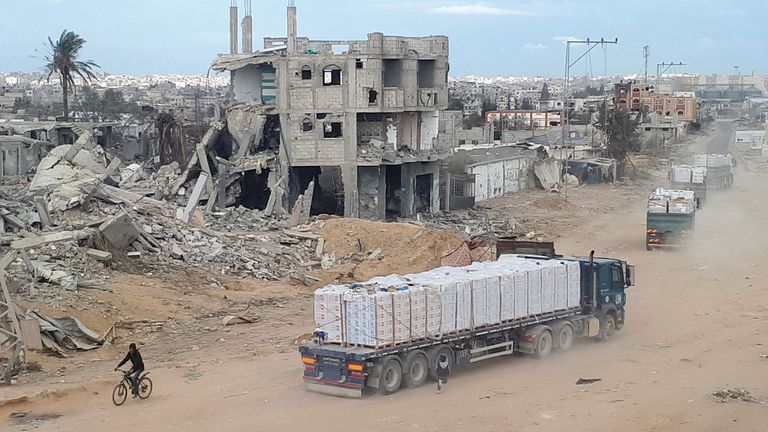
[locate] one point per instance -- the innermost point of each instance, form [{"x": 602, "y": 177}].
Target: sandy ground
[{"x": 696, "y": 321}]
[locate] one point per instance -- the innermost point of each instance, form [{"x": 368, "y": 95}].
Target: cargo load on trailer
[
  {"x": 670, "y": 218},
  {"x": 687, "y": 177},
  {"x": 389, "y": 331},
  {"x": 719, "y": 169}
]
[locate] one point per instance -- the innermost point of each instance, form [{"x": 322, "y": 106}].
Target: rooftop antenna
[{"x": 646, "y": 54}]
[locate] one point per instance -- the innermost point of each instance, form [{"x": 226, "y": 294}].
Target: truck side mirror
[{"x": 629, "y": 277}]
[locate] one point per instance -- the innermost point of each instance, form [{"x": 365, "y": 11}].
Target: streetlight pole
[{"x": 564, "y": 122}]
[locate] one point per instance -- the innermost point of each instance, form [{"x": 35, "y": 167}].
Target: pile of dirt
[
  {"x": 551, "y": 202},
  {"x": 365, "y": 249}
]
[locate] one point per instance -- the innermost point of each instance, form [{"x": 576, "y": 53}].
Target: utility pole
[
  {"x": 646, "y": 54},
  {"x": 666, "y": 67},
  {"x": 564, "y": 122}
]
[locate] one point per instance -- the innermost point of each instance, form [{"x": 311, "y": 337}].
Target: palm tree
[{"x": 62, "y": 60}]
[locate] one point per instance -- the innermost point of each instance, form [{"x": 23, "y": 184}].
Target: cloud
[
  {"x": 481, "y": 8},
  {"x": 534, "y": 47}
]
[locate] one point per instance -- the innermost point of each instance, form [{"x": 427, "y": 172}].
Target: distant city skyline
[{"x": 487, "y": 38}]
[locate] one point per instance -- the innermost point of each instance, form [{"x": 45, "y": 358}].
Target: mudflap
[{"x": 332, "y": 390}]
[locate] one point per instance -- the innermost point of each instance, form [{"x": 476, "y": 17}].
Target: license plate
[{"x": 330, "y": 361}]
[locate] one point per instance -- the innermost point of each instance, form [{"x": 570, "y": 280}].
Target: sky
[{"x": 488, "y": 38}]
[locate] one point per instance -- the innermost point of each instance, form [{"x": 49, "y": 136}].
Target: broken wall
[
  {"x": 246, "y": 84},
  {"x": 430, "y": 122},
  {"x": 409, "y": 173},
  {"x": 497, "y": 178},
  {"x": 371, "y": 184}
]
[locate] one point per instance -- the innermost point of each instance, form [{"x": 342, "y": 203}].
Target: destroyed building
[{"x": 357, "y": 120}]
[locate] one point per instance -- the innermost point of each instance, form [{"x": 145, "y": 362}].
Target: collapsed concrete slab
[{"x": 119, "y": 231}]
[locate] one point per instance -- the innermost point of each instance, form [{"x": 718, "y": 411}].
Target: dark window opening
[
  {"x": 321, "y": 116},
  {"x": 358, "y": 64},
  {"x": 392, "y": 74},
  {"x": 423, "y": 196},
  {"x": 332, "y": 76},
  {"x": 462, "y": 142},
  {"x": 394, "y": 194},
  {"x": 373, "y": 96},
  {"x": 270, "y": 138},
  {"x": 328, "y": 190},
  {"x": 426, "y": 73},
  {"x": 306, "y": 73},
  {"x": 307, "y": 125},
  {"x": 254, "y": 190},
  {"x": 680, "y": 113},
  {"x": 668, "y": 113},
  {"x": 332, "y": 130}
]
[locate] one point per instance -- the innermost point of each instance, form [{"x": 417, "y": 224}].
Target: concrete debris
[
  {"x": 99, "y": 255},
  {"x": 65, "y": 333},
  {"x": 232, "y": 320},
  {"x": 119, "y": 231},
  {"x": 46, "y": 272},
  {"x": 734, "y": 394}
]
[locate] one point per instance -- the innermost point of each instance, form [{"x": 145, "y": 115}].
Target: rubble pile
[
  {"x": 84, "y": 213},
  {"x": 473, "y": 223}
]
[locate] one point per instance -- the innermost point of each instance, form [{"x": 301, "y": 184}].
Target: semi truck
[
  {"x": 692, "y": 178},
  {"x": 347, "y": 370},
  {"x": 719, "y": 169},
  {"x": 671, "y": 217}
]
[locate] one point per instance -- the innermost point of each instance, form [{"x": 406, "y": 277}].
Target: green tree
[
  {"x": 473, "y": 120},
  {"x": 620, "y": 129},
  {"x": 62, "y": 59},
  {"x": 455, "y": 104}
]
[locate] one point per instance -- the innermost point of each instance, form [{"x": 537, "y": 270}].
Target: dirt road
[{"x": 696, "y": 322}]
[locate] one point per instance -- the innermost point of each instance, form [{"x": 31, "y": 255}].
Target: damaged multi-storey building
[{"x": 355, "y": 120}]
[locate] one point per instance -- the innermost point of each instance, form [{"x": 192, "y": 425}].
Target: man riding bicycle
[{"x": 136, "y": 369}]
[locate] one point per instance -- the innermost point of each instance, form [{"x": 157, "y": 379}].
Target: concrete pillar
[
  {"x": 233, "y": 20},
  {"x": 376, "y": 43},
  {"x": 408, "y": 187},
  {"x": 382, "y": 211},
  {"x": 351, "y": 195},
  {"x": 247, "y": 34},
  {"x": 292, "y": 28},
  {"x": 434, "y": 205}
]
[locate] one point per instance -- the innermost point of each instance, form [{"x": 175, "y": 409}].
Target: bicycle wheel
[
  {"x": 119, "y": 394},
  {"x": 145, "y": 388}
]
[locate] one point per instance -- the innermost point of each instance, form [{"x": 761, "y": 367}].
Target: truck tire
[
  {"x": 564, "y": 337},
  {"x": 416, "y": 369},
  {"x": 391, "y": 375},
  {"x": 607, "y": 327},
  {"x": 544, "y": 344},
  {"x": 434, "y": 353}
]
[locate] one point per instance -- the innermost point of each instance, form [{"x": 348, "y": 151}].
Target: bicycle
[{"x": 120, "y": 393}]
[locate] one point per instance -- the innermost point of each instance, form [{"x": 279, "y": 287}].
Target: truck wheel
[
  {"x": 391, "y": 376},
  {"x": 607, "y": 327},
  {"x": 543, "y": 344},
  {"x": 564, "y": 337},
  {"x": 416, "y": 369},
  {"x": 434, "y": 354}
]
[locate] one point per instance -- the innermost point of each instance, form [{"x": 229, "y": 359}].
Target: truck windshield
[{"x": 617, "y": 278}]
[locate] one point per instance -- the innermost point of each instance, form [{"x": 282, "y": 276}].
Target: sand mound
[{"x": 404, "y": 248}]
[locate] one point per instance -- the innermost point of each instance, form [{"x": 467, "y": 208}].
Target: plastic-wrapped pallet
[
  {"x": 445, "y": 303},
  {"x": 493, "y": 293},
  {"x": 681, "y": 173},
  {"x": 507, "y": 294},
  {"x": 369, "y": 318},
  {"x": 463, "y": 302},
  {"x": 547, "y": 287},
  {"x": 409, "y": 313},
  {"x": 574, "y": 283},
  {"x": 479, "y": 300},
  {"x": 329, "y": 311},
  {"x": 698, "y": 174},
  {"x": 561, "y": 286}
]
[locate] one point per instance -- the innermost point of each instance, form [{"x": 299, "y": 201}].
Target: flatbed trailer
[{"x": 347, "y": 370}]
